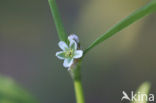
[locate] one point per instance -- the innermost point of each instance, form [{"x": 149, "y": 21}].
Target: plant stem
[
  {"x": 75, "y": 72},
  {"x": 79, "y": 91}
]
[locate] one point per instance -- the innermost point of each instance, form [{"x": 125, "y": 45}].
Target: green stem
[
  {"x": 75, "y": 72},
  {"x": 79, "y": 91}
]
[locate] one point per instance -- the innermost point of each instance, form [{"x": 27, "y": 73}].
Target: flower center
[{"x": 69, "y": 53}]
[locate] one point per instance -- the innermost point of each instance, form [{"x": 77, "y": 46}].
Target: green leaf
[
  {"x": 11, "y": 92},
  {"x": 138, "y": 14},
  {"x": 57, "y": 19},
  {"x": 143, "y": 89}
]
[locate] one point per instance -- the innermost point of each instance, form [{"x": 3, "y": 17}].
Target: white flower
[
  {"x": 73, "y": 37},
  {"x": 69, "y": 52}
]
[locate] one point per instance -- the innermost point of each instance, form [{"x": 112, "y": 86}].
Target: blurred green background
[{"x": 28, "y": 43}]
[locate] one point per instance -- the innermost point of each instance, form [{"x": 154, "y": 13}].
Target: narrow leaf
[
  {"x": 138, "y": 14},
  {"x": 141, "y": 92},
  {"x": 11, "y": 92},
  {"x": 57, "y": 20}
]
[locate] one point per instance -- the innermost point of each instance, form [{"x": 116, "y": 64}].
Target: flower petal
[
  {"x": 63, "y": 45},
  {"x": 68, "y": 62},
  {"x": 73, "y": 44},
  {"x": 78, "y": 54},
  {"x": 73, "y": 37},
  {"x": 60, "y": 54}
]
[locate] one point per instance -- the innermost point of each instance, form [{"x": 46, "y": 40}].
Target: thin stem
[
  {"x": 79, "y": 91},
  {"x": 75, "y": 72}
]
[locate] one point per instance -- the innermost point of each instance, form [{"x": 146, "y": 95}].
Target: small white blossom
[
  {"x": 74, "y": 37},
  {"x": 69, "y": 52}
]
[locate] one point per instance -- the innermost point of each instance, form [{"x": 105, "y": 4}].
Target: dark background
[{"x": 28, "y": 43}]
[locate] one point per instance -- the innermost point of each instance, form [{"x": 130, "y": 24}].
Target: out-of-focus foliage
[
  {"x": 143, "y": 89},
  {"x": 11, "y": 92}
]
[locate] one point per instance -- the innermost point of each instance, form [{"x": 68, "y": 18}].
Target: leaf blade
[
  {"x": 136, "y": 15},
  {"x": 57, "y": 20}
]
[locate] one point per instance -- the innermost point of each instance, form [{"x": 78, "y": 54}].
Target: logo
[{"x": 137, "y": 97}]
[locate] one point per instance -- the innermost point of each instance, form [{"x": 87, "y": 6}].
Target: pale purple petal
[
  {"x": 68, "y": 62},
  {"x": 78, "y": 54},
  {"x": 63, "y": 45},
  {"x": 73, "y": 37}
]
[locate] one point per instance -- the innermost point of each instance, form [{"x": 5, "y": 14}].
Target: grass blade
[
  {"x": 57, "y": 19},
  {"x": 138, "y": 14}
]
